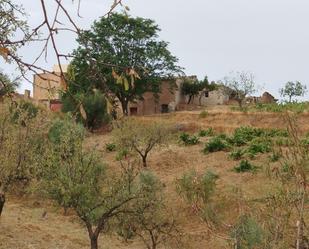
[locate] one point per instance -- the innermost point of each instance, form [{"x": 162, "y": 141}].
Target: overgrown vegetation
[{"x": 188, "y": 140}]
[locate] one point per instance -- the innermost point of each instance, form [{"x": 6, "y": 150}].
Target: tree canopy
[
  {"x": 293, "y": 89},
  {"x": 121, "y": 56}
]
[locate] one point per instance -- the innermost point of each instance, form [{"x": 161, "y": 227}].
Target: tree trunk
[
  {"x": 94, "y": 242},
  {"x": 190, "y": 97},
  {"x": 124, "y": 105},
  {"x": 144, "y": 161},
  {"x": 2, "y": 201},
  {"x": 239, "y": 103}
]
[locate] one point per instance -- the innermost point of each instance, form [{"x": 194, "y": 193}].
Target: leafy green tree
[
  {"x": 139, "y": 137},
  {"x": 121, "y": 56},
  {"x": 78, "y": 179},
  {"x": 194, "y": 87},
  {"x": 293, "y": 89}
]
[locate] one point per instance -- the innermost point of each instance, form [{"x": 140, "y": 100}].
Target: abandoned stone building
[{"x": 47, "y": 87}]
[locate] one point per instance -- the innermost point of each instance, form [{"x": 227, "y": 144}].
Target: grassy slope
[{"x": 22, "y": 224}]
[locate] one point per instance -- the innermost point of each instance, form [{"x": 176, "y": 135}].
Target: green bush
[
  {"x": 247, "y": 233},
  {"x": 189, "y": 140},
  {"x": 259, "y": 145},
  {"x": 196, "y": 188},
  {"x": 203, "y": 114},
  {"x": 237, "y": 154},
  {"x": 110, "y": 147},
  {"x": 205, "y": 133},
  {"x": 215, "y": 144},
  {"x": 95, "y": 107},
  {"x": 244, "y": 166}
]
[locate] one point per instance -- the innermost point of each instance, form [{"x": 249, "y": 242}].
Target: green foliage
[
  {"x": 7, "y": 86},
  {"x": 20, "y": 145},
  {"x": 206, "y": 133},
  {"x": 94, "y": 105},
  {"x": 245, "y": 166},
  {"x": 110, "y": 147},
  {"x": 281, "y": 107},
  {"x": 293, "y": 89},
  {"x": 132, "y": 44},
  {"x": 197, "y": 189},
  {"x": 64, "y": 134},
  {"x": 140, "y": 138},
  {"x": 248, "y": 233},
  {"x": 275, "y": 156},
  {"x": 215, "y": 144},
  {"x": 188, "y": 140},
  {"x": 259, "y": 145},
  {"x": 237, "y": 154},
  {"x": 203, "y": 114}
]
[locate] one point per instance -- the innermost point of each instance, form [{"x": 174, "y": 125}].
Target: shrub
[
  {"x": 275, "y": 156},
  {"x": 248, "y": 234},
  {"x": 110, "y": 147},
  {"x": 215, "y": 144},
  {"x": 203, "y": 114},
  {"x": 259, "y": 145},
  {"x": 205, "y": 133},
  {"x": 237, "y": 154},
  {"x": 245, "y": 166},
  {"x": 94, "y": 105},
  {"x": 196, "y": 188},
  {"x": 189, "y": 140}
]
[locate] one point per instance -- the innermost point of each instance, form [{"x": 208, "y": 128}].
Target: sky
[{"x": 269, "y": 38}]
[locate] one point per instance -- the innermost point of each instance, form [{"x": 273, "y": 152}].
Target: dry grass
[{"x": 22, "y": 224}]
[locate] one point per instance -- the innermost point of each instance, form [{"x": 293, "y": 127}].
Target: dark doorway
[
  {"x": 164, "y": 108},
  {"x": 133, "y": 111}
]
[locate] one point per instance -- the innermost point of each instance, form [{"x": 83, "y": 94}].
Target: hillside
[{"x": 29, "y": 222}]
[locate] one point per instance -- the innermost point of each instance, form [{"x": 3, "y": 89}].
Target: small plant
[
  {"x": 245, "y": 166},
  {"x": 259, "y": 146},
  {"x": 196, "y": 188},
  {"x": 275, "y": 156},
  {"x": 110, "y": 147},
  {"x": 215, "y": 144},
  {"x": 189, "y": 140},
  {"x": 237, "y": 154},
  {"x": 203, "y": 114},
  {"x": 247, "y": 233},
  {"x": 205, "y": 133}
]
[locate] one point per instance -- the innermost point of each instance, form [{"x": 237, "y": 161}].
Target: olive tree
[
  {"x": 21, "y": 129},
  {"x": 140, "y": 137},
  {"x": 293, "y": 89},
  {"x": 77, "y": 178},
  {"x": 238, "y": 85}
]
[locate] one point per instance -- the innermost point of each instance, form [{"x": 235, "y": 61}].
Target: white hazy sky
[{"x": 214, "y": 37}]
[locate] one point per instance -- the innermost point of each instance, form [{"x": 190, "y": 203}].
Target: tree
[
  {"x": 151, "y": 220},
  {"x": 77, "y": 178},
  {"x": 194, "y": 87},
  {"x": 121, "y": 56},
  {"x": 293, "y": 89},
  {"x": 20, "y": 145},
  {"x": 7, "y": 86},
  {"x": 140, "y": 137},
  {"x": 238, "y": 85}
]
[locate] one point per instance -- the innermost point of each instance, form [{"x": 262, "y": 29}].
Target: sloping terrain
[{"x": 35, "y": 224}]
